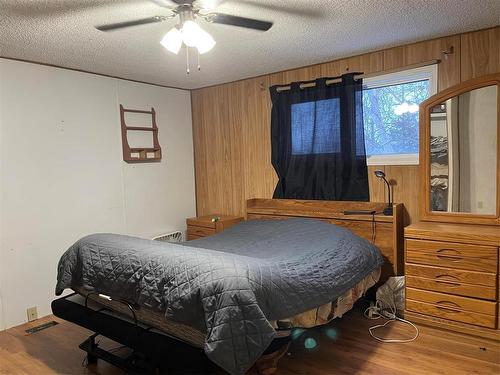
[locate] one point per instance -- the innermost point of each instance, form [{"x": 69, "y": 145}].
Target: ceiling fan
[{"x": 187, "y": 31}]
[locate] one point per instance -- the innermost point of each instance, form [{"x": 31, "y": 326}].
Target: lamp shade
[
  {"x": 205, "y": 42},
  {"x": 191, "y": 33},
  {"x": 172, "y": 40}
]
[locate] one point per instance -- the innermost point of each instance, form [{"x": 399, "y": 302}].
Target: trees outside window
[{"x": 390, "y": 117}]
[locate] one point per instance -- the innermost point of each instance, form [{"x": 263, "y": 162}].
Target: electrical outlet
[{"x": 32, "y": 313}]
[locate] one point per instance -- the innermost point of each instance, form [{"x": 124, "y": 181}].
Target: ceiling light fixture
[{"x": 189, "y": 33}]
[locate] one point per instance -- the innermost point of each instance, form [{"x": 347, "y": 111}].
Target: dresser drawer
[
  {"x": 460, "y": 309},
  {"x": 446, "y": 300},
  {"x": 452, "y": 274},
  {"x": 453, "y": 287},
  {"x": 199, "y": 231},
  {"x": 449, "y": 280},
  {"x": 452, "y": 255},
  {"x": 201, "y": 222},
  {"x": 488, "y": 321}
]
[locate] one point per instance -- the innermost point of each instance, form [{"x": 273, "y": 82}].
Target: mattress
[{"x": 311, "y": 318}]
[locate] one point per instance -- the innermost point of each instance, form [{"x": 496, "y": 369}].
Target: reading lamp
[{"x": 381, "y": 175}]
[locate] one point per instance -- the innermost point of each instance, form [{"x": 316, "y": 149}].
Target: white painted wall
[{"x": 62, "y": 173}]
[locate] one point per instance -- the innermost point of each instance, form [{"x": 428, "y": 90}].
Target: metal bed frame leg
[
  {"x": 90, "y": 347},
  {"x": 134, "y": 363},
  {"x": 92, "y": 358}
]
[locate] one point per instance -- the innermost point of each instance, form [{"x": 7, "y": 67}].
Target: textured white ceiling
[{"x": 305, "y": 32}]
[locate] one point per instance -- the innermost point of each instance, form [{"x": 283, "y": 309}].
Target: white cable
[
  {"x": 371, "y": 329},
  {"x": 377, "y": 312}
]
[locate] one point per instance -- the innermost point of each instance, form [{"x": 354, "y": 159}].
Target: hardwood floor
[{"x": 342, "y": 347}]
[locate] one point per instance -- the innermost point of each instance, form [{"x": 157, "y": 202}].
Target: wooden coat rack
[{"x": 140, "y": 154}]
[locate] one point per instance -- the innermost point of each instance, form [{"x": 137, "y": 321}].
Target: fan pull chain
[{"x": 188, "y": 70}]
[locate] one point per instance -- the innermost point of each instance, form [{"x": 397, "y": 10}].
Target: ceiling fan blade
[
  {"x": 208, "y": 4},
  {"x": 183, "y": 2},
  {"x": 165, "y": 3},
  {"x": 201, "y": 4},
  {"x": 249, "y": 23},
  {"x": 122, "y": 25},
  {"x": 302, "y": 10}
]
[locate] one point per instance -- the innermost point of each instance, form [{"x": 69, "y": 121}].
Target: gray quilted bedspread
[{"x": 229, "y": 284}]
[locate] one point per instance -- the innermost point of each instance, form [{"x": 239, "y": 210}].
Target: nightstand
[{"x": 198, "y": 227}]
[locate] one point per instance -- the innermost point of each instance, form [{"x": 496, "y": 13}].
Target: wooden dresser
[
  {"x": 202, "y": 226},
  {"x": 452, "y": 277}
]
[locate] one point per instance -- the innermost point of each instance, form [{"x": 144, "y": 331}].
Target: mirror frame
[{"x": 424, "y": 154}]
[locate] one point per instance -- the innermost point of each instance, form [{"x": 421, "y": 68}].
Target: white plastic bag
[{"x": 391, "y": 295}]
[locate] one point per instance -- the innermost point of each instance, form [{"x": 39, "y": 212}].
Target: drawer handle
[
  {"x": 441, "y": 279},
  {"x": 449, "y": 306},
  {"x": 454, "y": 251},
  {"x": 453, "y": 257}
]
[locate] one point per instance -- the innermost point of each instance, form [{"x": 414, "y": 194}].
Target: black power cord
[{"x": 374, "y": 228}]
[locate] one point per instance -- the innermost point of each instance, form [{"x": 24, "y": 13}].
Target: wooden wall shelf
[{"x": 140, "y": 154}]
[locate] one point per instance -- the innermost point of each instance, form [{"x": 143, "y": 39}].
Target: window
[
  {"x": 390, "y": 114},
  {"x": 390, "y": 118}
]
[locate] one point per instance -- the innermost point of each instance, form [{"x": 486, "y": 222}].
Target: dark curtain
[{"x": 317, "y": 138}]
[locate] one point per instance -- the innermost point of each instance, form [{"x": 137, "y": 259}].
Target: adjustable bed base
[{"x": 148, "y": 345}]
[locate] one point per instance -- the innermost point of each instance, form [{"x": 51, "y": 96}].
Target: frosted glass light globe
[
  {"x": 191, "y": 33},
  {"x": 172, "y": 40},
  {"x": 205, "y": 42}
]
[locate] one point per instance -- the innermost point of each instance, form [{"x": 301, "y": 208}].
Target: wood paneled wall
[{"x": 231, "y": 122}]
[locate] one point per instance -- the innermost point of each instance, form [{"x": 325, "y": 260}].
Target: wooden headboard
[{"x": 388, "y": 229}]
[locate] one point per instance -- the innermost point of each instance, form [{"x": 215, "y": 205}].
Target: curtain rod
[{"x": 360, "y": 76}]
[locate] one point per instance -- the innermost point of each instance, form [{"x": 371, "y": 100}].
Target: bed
[{"x": 235, "y": 292}]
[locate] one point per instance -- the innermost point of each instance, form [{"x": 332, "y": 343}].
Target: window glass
[{"x": 390, "y": 117}]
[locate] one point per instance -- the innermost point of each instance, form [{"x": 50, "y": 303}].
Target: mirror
[{"x": 464, "y": 153}]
